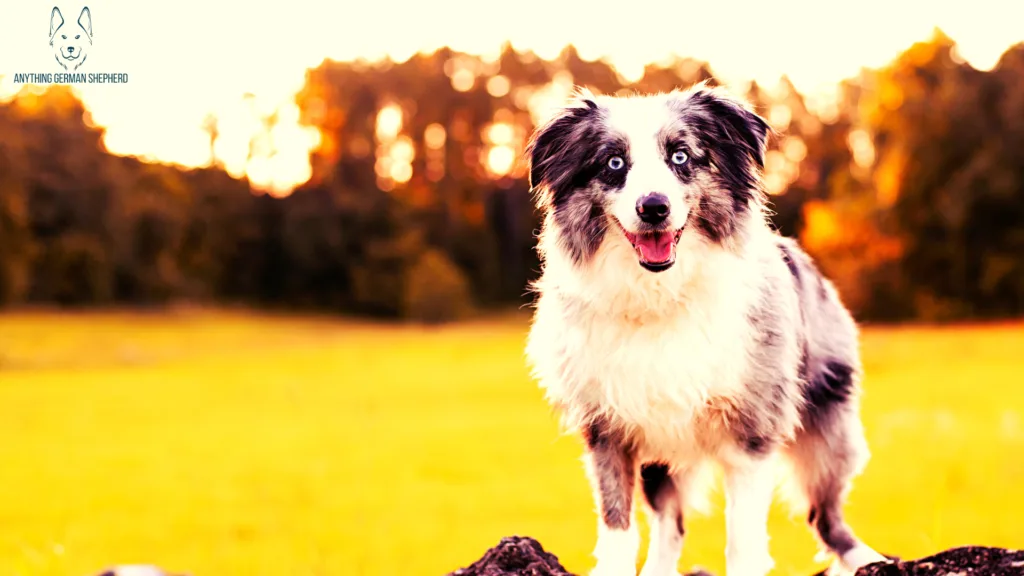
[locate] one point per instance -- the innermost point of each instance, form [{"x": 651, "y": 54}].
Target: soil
[{"x": 523, "y": 556}]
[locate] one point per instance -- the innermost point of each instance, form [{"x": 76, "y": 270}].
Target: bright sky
[{"x": 188, "y": 58}]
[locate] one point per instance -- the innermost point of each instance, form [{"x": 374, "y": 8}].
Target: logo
[{"x": 71, "y": 43}]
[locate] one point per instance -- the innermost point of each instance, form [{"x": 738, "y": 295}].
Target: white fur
[
  {"x": 664, "y": 549},
  {"x": 861, "y": 555},
  {"x": 616, "y": 551},
  {"x": 748, "y": 493}
]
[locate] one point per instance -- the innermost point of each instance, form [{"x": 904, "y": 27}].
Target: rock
[
  {"x": 515, "y": 555},
  {"x": 523, "y": 556}
]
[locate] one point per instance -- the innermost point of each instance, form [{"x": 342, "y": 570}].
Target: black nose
[
  {"x": 71, "y": 48},
  {"x": 653, "y": 208}
]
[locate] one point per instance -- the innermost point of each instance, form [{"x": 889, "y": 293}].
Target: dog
[
  {"x": 674, "y": 329},
  {"x": 71, "y": 44}
]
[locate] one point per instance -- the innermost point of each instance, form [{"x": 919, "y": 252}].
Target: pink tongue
[{"x": 655, "y": 248}]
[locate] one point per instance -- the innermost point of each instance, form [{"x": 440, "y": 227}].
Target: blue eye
[
  {"x": 679, "y": 157},
  {"x": 616, "y": 162}
]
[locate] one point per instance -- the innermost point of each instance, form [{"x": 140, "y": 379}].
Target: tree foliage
[{"x": 909, "y": 191}]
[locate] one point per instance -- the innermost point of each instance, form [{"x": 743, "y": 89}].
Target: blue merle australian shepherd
[{"x": 675, "y": 329}]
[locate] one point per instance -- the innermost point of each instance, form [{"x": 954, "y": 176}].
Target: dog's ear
[
  {"x": 559, "y": 149},
  {"x": 85, "y": 21},
  {"x": 735, "y": 140},
  {"x": 741, "y": 126},
  {"x": 735, "y": 137},
  {"x": 56, "y": 21}
]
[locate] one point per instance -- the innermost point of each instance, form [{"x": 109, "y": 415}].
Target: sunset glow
[{"x": 159, "y": 114}]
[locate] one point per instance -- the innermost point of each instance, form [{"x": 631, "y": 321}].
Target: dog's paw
[
  {"x": 749, "y": 566},
  {"x": 861, "y": 556},
  {"x": 608, "y": 569},
  {"x": 654, "y": 570}
]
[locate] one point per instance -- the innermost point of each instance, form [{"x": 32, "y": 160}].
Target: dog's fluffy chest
[{"x": 656, "y": 378}]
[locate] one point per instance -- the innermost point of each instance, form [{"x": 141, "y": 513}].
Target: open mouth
[
  {"x": 70, "y": 56},
  {"x": 656, "y": 249}
]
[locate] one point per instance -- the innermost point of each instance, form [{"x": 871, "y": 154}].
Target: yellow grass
[{"x": 229, "y": 445}]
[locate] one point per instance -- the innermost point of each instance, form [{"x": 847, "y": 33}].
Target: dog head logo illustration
[{"x": 71, "y": 42}]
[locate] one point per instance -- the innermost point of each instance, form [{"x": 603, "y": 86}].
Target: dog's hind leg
[
  {"x": 663, "y": 491},
  {"x": 826, "y": 456},
  {"x": 612, "y": 467}
]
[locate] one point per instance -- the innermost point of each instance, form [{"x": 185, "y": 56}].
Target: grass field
[{"x": 223, "y": 444}]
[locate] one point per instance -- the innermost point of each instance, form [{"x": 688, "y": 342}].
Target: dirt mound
[
  {"x": 515, "y": 555},
  {"x": 522, "y": 556},
  {"x": 968, "y": 560}
]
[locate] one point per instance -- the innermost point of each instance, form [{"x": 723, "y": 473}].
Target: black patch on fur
[
  {"x": 736, "y": 140},
  {"x": 686, "y": 170},
  {"x": 655, "y": 477},
  {"x": 716, "y": 219},
  {"x": 583, "y": 226},
  {"x": 833, "y": 384},
  {"x": 803, "y": 268},
  {"x": 805, "y": 357},
  {"x": 787, "y": 256},
  {"x": 560, "y": 151},
  {"x": 595, "y": 434},
  {"x": 660, "y": 491},
  {"x": 614, "y": 463},
  {"x": 758, "y": 437},
  {"x": 757, "y": 445},
  {"x": 566, "y": 155},
  {"x": 833, "y": 531}
]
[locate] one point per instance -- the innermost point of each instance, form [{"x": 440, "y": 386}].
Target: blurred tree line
[{"x": 909, "y": 189}]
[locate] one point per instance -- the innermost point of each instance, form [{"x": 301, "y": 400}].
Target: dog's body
[
  {"x": 739, "y": 353},
  {"x": 70, "y": 43}
]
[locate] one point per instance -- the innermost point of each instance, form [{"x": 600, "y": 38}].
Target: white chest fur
[{"x": 650, "y": 351}]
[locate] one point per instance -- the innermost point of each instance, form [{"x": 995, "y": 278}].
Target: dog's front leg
[
  {"x": 749, "y": 487},
  {"x": 664, "y": 490},
  {"x": 612, "y": 466}
]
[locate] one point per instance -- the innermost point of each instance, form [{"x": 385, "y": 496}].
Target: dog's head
[
  {"x": 650, "y": 169},
  {"x": 70, "y": 42}
]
